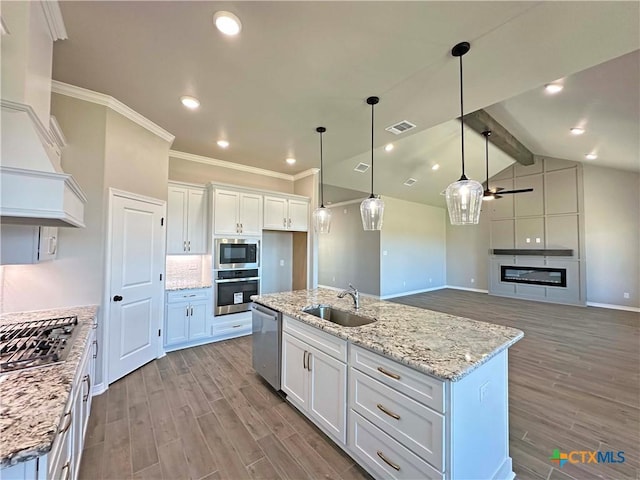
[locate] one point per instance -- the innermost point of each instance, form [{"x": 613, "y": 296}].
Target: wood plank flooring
[{"x": 202, "y": 413}]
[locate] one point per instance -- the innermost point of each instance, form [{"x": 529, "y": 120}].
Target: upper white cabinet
[
  {"x": 24, "y": 244},
  {"x": 237, "y": 212},
  {"x": 282, "y": 213},
  {"x": 186, "y": 220}
]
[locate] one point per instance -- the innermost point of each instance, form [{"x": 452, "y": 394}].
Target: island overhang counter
[{"x": 415, "y": 392}]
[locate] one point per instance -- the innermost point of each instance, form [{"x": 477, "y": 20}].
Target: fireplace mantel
[{"x": 537, "y": 252}]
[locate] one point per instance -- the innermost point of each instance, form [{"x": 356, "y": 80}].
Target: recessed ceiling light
[
  {"x": 388, "y": 147},
  {"x": 409, "y": 182},
  {"x": 361, "y": 167},
  {"x": 435, "y": 167},
  {"x": 577, "y": 131},
  {"x": 591, "y": 156},
  {"x": 553, "y": 87},
  {"x": 222, "y": 143},
  {"x": 290, "y": 160},
  {"x": 227, "y": 23},
  {"x": 190, "y": 102}
]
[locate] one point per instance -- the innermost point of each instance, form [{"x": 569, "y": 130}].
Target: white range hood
[{"x": 33, "y": 188}]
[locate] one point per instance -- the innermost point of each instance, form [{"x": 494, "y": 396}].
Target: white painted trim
[
  {"x": 234, "y": 166},
  {"x": 40, "y": 128},
  {"x": 56, "y": 132},
  {"x": 106, "y": 296},
  {"x": 454, "y": 287},
  {"x": 110, "y": 102},
  {"x": 362, "y": 294},
  {"x": 412, "y": 292},
  {"x": 55, "y": 22},
  {"x": 306, "y": 173},
  {"x": 4, "y": 30},
  {"x": 613, "y": 307},
  {"x": 99, "y": 389}
]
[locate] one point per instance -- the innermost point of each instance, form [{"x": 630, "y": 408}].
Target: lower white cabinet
[
  {"x": 188, "y": 316},
  {"x": 314, "y": 376}
]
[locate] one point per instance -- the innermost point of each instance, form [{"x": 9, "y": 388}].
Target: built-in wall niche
[{"x": 283, "y": 262}]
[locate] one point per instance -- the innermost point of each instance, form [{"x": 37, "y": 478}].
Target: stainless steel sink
[{"x": 346, "y": 319}]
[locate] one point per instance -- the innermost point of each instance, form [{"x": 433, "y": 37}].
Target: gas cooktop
[{"x": 35, "y": 343}]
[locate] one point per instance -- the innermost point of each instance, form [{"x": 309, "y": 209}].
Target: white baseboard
[
  {"x": 412, "y": 292},
  {"x": 336, "y": 289},
  {"x": 454, "y": 287},
  {"x": 613, "y": 307},
  {"x": 99, "y": 389}
]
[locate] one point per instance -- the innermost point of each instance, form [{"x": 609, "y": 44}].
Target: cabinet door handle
[
  {"x": 191, "y": 311},
  {"x": 67, "y": 467},
  {"x": 388, "y": 462},
  {"x": 388, "y": 373},
  {"x": 53, "y": 245},
  {"x": 184, "y": 246},
  {"x": 289, "y": 223},
  {"x": 391, "y": 414},
  {"x": 187, "y": 311},
  {"x": 284, "y": 222},
  {"x": 66, "y": 427},
  {"x": 309, "y": 361},
  {"x": 87, "y": 378},
  {"x": 189, "y": 246},
  {"x": 95, "y": 354},
  {"x": 241, "y": 228},
  {"x": 304, "y": 360}
]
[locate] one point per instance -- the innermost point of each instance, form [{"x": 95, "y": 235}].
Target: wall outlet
[
  {"x": 538, "y": 240},
  {"x": 282, "y": 263},
  {"x": 334, "y": 280},
  {"x": 384, "y": 252},
  {"x": 430, "y": 280},
  {"x": 528, "y": 240},
  {"x": 345, "y": 211},
  {"x": 625, "y": 294},
  {"x": 483, "y": 391},
  {"x": 473, "y": 280},
  {"x": 404, "y": 284}
]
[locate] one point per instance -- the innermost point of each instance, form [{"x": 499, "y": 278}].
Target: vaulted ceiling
[{"x": 299, "y": 65}]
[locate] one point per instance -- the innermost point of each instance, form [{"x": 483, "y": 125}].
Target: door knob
[{"x": 117, "y": 298}]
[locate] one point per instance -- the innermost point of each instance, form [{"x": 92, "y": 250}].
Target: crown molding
[
  {"x": 44, "y": 134},
  {"x": 306, "y": 173},
  {"x": 54, "y": 18},
  {"x": 235, "y": 166},
  {"x": 110, "y": 102}
]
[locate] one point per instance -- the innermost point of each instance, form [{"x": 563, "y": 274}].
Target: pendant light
[
  {"x": 321, "y": 215},
  {"x": 372, "y": 208},
  {"x": 464, "y": 197}
]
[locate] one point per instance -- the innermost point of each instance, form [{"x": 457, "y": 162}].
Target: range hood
[{"x": 33, "y": 188}]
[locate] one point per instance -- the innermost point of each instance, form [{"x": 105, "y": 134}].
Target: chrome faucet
[{"x": 353, "y": 291}]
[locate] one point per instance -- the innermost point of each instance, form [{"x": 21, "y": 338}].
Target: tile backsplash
[{"x": 188, "y": 268}]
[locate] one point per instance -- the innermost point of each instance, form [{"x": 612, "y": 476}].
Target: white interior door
[{"x": 136, "y": 291}]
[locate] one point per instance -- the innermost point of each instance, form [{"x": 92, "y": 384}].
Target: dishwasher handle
[{"x": 265, "y": 311}]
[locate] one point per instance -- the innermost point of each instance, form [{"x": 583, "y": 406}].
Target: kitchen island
[
  {"x": 414, "y": 394},
  {"x": 44, "y": 409}
]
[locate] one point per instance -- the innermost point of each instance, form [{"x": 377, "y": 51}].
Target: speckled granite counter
[
  {"x": 181, "y": 284},
  {"x": 435, "y": 343},
  {"x": 32, "y": 401}
]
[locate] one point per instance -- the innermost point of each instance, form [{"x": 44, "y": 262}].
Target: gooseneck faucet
[{"x": 353, "y": 292}]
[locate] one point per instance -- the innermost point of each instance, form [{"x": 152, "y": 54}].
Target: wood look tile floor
[{"x": 202, "y": 413}]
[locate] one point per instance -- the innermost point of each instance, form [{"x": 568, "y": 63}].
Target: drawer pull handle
[
  {"x": 87, "y": 378},
  {"x": 304, "y": 360},
  {"x": 385, "y": 460},
  {"x": 391, "y": 414},
  {"x": 66, "y": 427},
  {"x": 237, "y": 326},
  {"x": 388, "y": 373},
  {"x": 309, "y": 361}
]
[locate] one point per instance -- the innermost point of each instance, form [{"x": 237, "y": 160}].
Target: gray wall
[
  {"x": 412, "y": 243},
  {"x": 612, "y": 224},
  {"x": 309, "y": 187},
  {"x": 349, "y": 254},
  {"x": 276, "y": 247}
]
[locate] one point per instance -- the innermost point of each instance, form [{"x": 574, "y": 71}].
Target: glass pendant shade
[
  {"x": 322, "y": 220},
  {"x": 464, "y": 199},
  {"x": 372, "y": 212}
]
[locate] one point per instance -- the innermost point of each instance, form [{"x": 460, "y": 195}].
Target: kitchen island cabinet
[{"x": 427, "y": 392}]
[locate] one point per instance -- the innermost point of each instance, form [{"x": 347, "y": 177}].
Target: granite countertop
[
  {"x": 181, "y": 284},
  {"x": 442, "y": 345},
  {"x": 33, "y": 401}
]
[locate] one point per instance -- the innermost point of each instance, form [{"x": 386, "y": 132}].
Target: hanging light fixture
[
  {"x": 372, "y": 208},
  {"x": 464, "y": 197},
  {"x": 321, "y": 215}
]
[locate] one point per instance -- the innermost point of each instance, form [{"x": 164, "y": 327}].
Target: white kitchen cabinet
[
  {"x": 314, "y": 376},
  {"x": 282, "y": 213},
  {"x": 187, "y": 316},
  {"x": 25, "y": 244},
  {"x": 186, "y": 220},
  {"x": 237, "y": 212}
]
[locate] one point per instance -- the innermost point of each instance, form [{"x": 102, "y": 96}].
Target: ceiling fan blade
[{"x": 522, "y": 190}]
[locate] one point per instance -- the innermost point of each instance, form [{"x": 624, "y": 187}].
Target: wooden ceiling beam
[{"x": 480, "y": 121}]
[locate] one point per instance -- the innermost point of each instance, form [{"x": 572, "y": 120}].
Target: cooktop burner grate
[{"x": 35, "y": 343}]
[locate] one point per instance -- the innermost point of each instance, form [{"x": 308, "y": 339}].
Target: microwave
[{"x": 232, "y": 253}]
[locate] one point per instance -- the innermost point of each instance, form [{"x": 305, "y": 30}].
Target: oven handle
[{"x": 232, "y": 280}]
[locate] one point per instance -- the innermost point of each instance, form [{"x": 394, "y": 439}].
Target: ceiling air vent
[
  {"x": 410, "y": 182},
  {"x": 400, "y": 127},
  {"x": 361, "y": 167}
]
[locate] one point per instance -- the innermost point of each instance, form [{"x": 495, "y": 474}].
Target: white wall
[
  {"x": 413, "y": 237},
  {"x": 612, "y": 224}
]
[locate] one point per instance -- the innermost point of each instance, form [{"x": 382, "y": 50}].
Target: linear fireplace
[{"x": 553, "y": 277}]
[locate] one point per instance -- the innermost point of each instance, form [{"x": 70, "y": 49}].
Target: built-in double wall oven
[{"x": 236, "y": 274}]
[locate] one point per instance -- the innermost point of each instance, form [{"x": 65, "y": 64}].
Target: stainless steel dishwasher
[{"x": 267, "y": 342}]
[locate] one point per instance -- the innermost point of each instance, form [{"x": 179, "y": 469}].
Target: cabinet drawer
[
  {"x": 325, "y": 342},
  {"x": 411, "y": 423},
  {"x": 383, "y": 455},
  {"x": 416, "y": 385},
  {"x": 230, "y": 326},
  {"x": 188, "y": 295}
]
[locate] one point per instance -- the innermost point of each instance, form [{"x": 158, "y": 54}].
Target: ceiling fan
[{"x": 495, "y": 192}]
